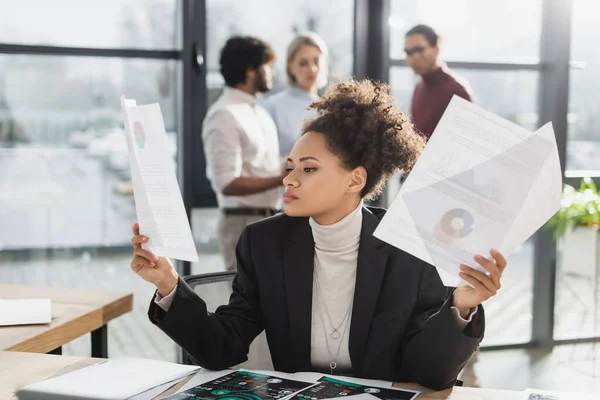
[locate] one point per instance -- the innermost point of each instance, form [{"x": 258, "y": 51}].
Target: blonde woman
[{"x": 306, "y": 68}]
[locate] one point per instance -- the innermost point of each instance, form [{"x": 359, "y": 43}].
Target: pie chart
[
  {"x": 454, "y": 225},
  {"x": 139, "y": 135}
]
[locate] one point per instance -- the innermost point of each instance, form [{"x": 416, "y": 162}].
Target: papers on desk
[
  {"x": 25, "y": 311},
  {"x": 535, "y": 394},
  {"x": 271, "y": 385},
  {"x": 117, "y": 378},
  {"x": 205, "y": 375},
  {"x": 328, "y": 387},
  {"x": 482, "y": 182},
  {"x": 159, "y": 206}
]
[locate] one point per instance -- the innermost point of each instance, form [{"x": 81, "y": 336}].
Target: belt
[{"x": 265, "y": 212}]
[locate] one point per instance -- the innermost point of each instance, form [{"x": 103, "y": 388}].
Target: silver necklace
[
  {"x": 333, "y": 363},
  {"x": 335, "y": 333}
]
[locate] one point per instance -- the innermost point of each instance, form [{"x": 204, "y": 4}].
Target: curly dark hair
[
  {"x": 241, "y": 53},
  {"x": 363, "y": 127}
]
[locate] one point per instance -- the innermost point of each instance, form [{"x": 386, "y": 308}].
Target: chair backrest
[{"x": 215, "y": 289}]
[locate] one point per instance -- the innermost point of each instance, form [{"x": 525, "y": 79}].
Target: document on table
[
  {"x": 534, "y": 394},
  {"x": 25, "y": 311},
  {"x": 482, "y": 182},
  {"x": 115, "y": 378},
  {"x": 159, "y": 206},
  {"x": 205, "y": 375},
  {"x": 273, "y": 385}
]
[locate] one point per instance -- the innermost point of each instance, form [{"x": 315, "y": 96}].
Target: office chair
[{"x": 215, "y": 289}]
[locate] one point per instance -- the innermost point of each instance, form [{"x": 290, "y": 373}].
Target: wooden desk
[
  {"x": 75, "y": 312},
  {"x": 21, "y": 369}
]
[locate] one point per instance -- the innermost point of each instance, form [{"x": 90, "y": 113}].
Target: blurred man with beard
[{"x": 240, "y": 143}]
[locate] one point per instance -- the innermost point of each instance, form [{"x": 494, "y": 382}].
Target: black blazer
[{"x": 401, "y": 330}]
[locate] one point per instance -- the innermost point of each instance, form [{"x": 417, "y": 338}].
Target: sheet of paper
[
  {"x": 157, "y": 391},
  {"x": 315, "y": 376},
  {"x": 116, "y": 378},
  {"x": 535, "y": 394},
  {"x": 243, "y": 384},
  {"x": 482, "y": 182},
  {"x": 203, "y": 376},
  {"x": 329, "y": 387},
  {"x": 159, "y": 206},
  {"x": 25, "y": 311}
]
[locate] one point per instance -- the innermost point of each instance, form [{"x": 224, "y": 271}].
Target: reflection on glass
[
  {"x": 577, "y": 300},
  {"x": 583, "y": 145},
  {"x": 204, "y": 222},
  {"x": 472, "y": 30},
  {"x": 145, "y": 24},
  {"x": 508, "y": 314},
  {"x": 509, "y": 94},
  {"x": 61, "y": 130},
  {"x": 269, "y": 21}
]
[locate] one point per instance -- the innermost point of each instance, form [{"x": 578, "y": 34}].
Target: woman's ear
[{"x": 358, "y": 180}]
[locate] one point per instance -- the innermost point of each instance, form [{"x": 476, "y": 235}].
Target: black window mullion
[{"x": 6, "y": 48}]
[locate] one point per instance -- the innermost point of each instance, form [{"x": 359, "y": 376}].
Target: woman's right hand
[{"x": 157, "y": 270}]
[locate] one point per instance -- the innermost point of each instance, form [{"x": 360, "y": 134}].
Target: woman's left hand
[{"x": 483, "y": 287}]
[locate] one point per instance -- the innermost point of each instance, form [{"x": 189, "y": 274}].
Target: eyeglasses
[{"x": 415, "y": 51}]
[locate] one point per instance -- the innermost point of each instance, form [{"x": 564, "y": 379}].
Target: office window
[
  {"x": 62, "y": 118},
  {"x": 575, "y": 315},
  {"x": 144, "y": 24},
  {"x": 472, "y": 30},
  {"x": 277, "y": 24},
  {"x": 66, "y": 203},
  {"x": 510, "y": 94},
  {"x": 583, "y": 144}
]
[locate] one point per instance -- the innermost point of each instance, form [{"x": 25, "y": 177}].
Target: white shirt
[{"x": 240, "y": 140}]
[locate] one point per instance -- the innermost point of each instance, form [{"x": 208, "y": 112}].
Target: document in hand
[
  {"x": 116, "y": 378},
  {"x": 159, "y": 206},
  {"x": 482, "y": 182},
  {"x": 25, "y": 311}
]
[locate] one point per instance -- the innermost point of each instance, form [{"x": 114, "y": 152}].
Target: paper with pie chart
[
  {"x": 482, "y": 182},
  {"x": 159, "y": 206}
]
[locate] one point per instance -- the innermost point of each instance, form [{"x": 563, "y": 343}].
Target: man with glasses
[
  {"x": 438, "y": 83},
  {"x": 430, "y": 99}
]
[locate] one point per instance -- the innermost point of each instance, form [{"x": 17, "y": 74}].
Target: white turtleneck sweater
[{"x": 335, "y": 262}]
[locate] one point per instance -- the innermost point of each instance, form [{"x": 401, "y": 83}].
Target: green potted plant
[{"x": 576, "y": 224}]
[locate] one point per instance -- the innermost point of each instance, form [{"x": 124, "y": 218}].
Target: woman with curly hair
[{"x": 331, "y": 297}]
